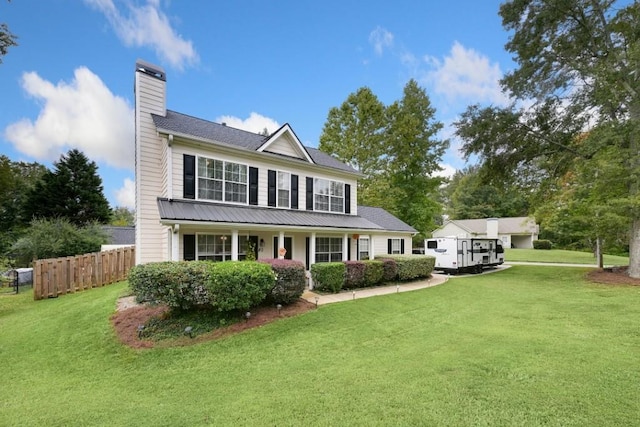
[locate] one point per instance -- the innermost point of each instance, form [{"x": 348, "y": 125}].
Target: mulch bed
[
  {"x": 126, "y": 323},
  {"x": 612, "y": 276}
]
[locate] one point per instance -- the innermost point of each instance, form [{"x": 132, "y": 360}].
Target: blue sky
[{"x": 251, "y": 64}]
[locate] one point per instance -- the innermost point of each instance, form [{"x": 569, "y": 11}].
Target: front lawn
[
  {"x": 560, "y": 256},
  {"x": 524, "y": 346}
]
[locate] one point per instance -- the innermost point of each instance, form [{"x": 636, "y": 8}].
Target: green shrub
[
  {"x": 239, "y": 285},
  {"x": 328, "y": 276},
  {"x": 542, "y": 244},
  {"x": 412, "y": 267},
  {"x": 354, "y": 274},
  {"x": 389, "y": 269},
  {"x": 290, "y": 280},
  {"x": 373, "y": 272},
  {"x": 180, "y": 285}
]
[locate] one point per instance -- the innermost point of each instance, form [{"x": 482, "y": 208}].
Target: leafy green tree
[
  {"x": 354, "y": 134},
  {"x": 7, "y": 39},
  {"x": 469, "y": 197},
  {"x": 413, "y": 154},
  {"x": 58, "y": 237},
  {"x": 577, "y": 70},
  {"x": 16, "y": 180},
  {"x": 122, "y": 216},
  {"x": 73, "y": 190}
]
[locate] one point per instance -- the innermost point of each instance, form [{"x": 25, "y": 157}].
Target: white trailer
[{"x": 457, "y": 255}]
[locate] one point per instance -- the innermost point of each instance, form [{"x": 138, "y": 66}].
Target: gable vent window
[
  {"x": 328, "y": 195},
  {"x": 222, "y": 181}
]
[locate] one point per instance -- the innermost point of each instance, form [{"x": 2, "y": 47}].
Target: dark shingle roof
[
  {"x": 186, "y": 210},
  {"x": 186, "y": 125},
  {"x": 120, "y": 235},
  {"x": 384, "y": 219}
]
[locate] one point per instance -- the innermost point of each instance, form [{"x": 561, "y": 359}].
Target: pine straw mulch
[
  {"x": 612, "y": 276},
  {"x": 126, "y": 323}
]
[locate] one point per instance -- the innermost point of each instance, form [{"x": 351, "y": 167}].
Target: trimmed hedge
[
  {"x": 542, "y": 244},
  {"x": 389, "y": 269},
  {"x": 410, "y": 267},
  {"x": 239, "y": 285},
  {"x": 373, "y": 272},
  {"x": 290, "y": 282},
  {"x": 354, "y": 275},
  {"x": 180, "y": 285},
  {"x": 328, "y": 276}
]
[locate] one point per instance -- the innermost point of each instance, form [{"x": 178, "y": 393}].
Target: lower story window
[
  {"x": 396, "y": 247},
  {"x": 217, "y": 247},
  {"x": 363, "y": 249},
  {"x": 328, "y": 249}
]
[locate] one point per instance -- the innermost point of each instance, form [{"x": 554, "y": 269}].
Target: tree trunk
[
  {"x": 634, "y": 190},
  {"x": 599, "y": 257}
]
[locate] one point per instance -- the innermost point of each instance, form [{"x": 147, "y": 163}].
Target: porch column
[
  {"x": 312, "y": 249},
  {"x": 175, "y": 243},
  {"x": 345, "y": 247},
  {"x": 234, "y": 245},
  {"x": 280, "y": 243},
  {"x": 371, "y": 254}
]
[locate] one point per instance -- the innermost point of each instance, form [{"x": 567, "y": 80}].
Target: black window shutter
[
  {"x": 189, "y": 247},
  {"x": 347, "y": 198},
  {"x": 389, "y": 246},
  {"x": 294, "y": 191},
  {"x": 348, "y": 249},
  {"x": 275, "y": 246},
  {"x": 402, "y": 246},
  {"x": 271, "y": 186},
  {"x": 253, "y": 186},
  {"x": 309, "y": 194},
  {"x": 308, "y": 254},
  {"x": 189, "y": 176}
]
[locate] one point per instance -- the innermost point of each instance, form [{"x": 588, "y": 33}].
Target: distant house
[
  {"x": 118, "y": 237},
  {"x": 208, "y": 191},
  {"x": 517, "y": 232}
]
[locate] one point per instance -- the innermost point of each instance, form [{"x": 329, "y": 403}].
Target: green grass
[
  {"x": 560, "y": 256},
  {"x": 525, "y": 346}
]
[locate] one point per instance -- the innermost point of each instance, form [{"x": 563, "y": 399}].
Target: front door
[{"x": 287, "y": 246}]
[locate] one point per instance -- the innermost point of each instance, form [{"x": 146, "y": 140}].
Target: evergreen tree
[{"x": 73, "y": 190}]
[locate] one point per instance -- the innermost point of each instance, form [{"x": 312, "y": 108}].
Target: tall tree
[
  {"x": 122, "y": 216},
  {"x": 73, "y": 190},
  {"x": 353, "y": 133},
  {"x": 7, "y": 39},
  {"x": 577, "y": 66},
  {"x": 413, "y": 153},
  {"x": 16, "y": 181},
  {"x": 468, "y": 197}
]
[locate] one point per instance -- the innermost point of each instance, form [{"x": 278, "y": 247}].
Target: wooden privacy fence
[{"x": 60, "y": 276}]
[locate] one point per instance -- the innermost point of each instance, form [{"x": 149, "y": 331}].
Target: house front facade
[
  {"x": 207, "y": 191},
  {"x": 515, "y": 232}
]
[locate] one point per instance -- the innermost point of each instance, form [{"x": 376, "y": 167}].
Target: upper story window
[
  {"x": 222, "y": 181},
  {"x": 328, "y": 195},
  {"x": 284, "y": 189}
]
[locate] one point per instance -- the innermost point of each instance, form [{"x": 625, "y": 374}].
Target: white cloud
[
  {"x": 148, "y": 26},
  {"x": 83, "y": 114},
  {"x": 126, "y": 195},
  {"x": 380, "y": 39},
  {"x": 254, "y": 123},
  {"x": 466, "y": 74},
  {"x": 447, "y": 171}
]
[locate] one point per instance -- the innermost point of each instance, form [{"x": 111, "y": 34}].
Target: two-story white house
[{"x": 206, "y": 191}]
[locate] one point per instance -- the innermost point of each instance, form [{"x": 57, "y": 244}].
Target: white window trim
[
  {"x": 394, "y": 250},
  {"x": 224, "y": 181},
  {"x": 318, "y": 238},
  {"x": 315, "y": 193},
  {"x": 360, "y": 240},
  {"x": 288, "y": 181}
]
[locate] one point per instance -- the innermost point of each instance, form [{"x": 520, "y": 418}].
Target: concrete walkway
[{"x": 320, "y": 299}]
